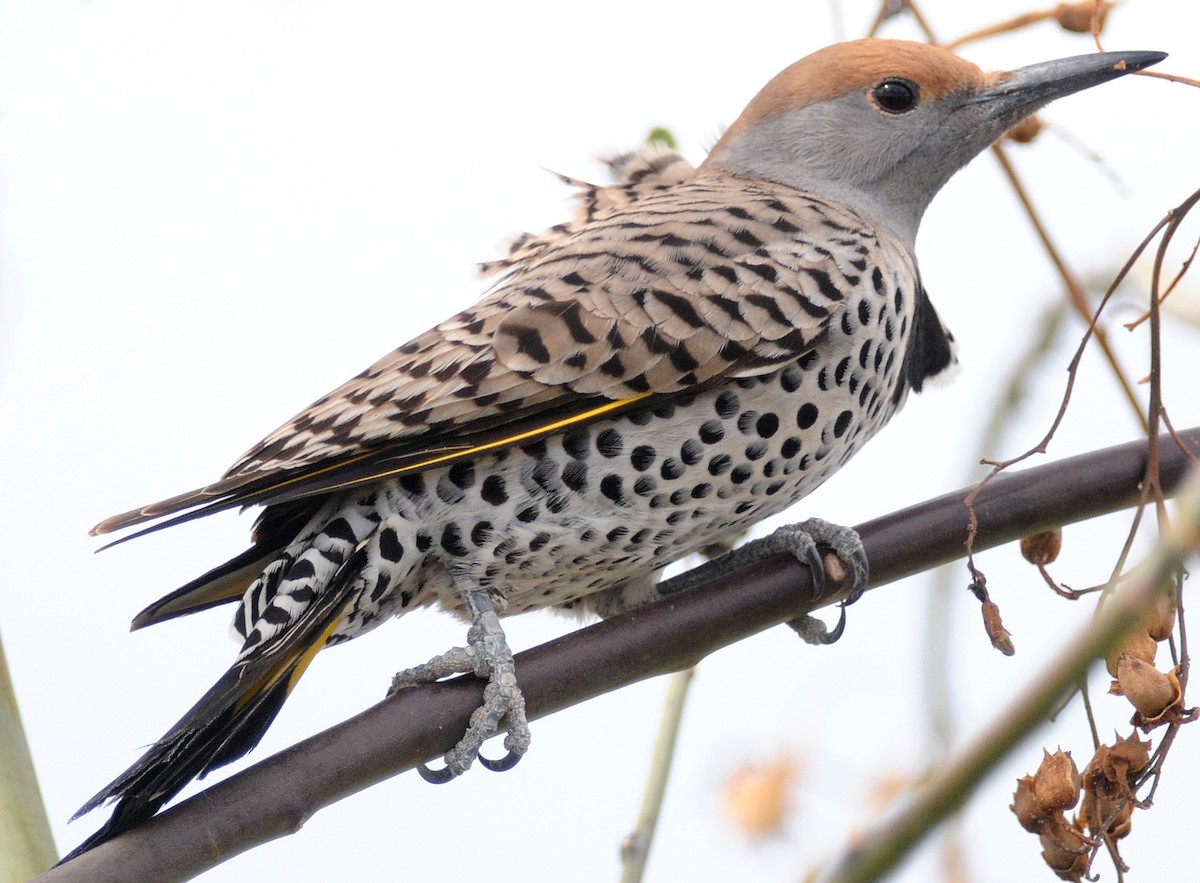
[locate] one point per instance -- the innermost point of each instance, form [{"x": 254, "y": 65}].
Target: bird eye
[{"x": 896, "y": 96}]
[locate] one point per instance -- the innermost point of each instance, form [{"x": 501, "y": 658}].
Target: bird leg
[
  {"x": 488, "y": 656},
  {"x": 802, "y": 541}
]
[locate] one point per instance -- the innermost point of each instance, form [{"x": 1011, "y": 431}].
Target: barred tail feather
[{"x": 231, "y": 718}]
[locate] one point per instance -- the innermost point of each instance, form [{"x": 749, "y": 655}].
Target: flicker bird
[{"x": 696, "y": 350}]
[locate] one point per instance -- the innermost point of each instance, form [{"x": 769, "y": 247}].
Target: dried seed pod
[
  {"x": 1025, "y": 806},
  {"x": 1150, "y": 691},
  {"x": 1128, "y": 756},
  {"x": 1000, "y": 637},
  {"x": 1139, "y": 645},
  {"x": 1037, "y": 548},
  {"x": 1077, "y": 17},
  {"x": 1056, "y": 782},
  {"x": 1162, "y": 621},
  {"x": 1065, "y": 850},
  {"x": 1110, "y": 814}
]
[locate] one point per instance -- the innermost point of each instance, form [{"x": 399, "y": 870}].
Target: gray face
[{"x": 887, "y": 148}]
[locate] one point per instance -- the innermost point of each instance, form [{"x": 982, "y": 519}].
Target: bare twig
[
  {"x": 881, "y": 850},
  {"x": 636, "y": 848}
]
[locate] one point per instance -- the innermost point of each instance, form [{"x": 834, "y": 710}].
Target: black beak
[{"x": 1026, "y": 89}]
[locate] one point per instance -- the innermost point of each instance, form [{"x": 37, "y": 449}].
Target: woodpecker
[{"x": 696, "y": 350}]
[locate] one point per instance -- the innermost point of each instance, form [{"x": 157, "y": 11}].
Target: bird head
[{"x": 881, "y": 125}]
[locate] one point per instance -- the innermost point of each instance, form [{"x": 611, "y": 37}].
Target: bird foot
[
  {"x": 802, "y": 541},
  {"x": 488, "y": 656}
]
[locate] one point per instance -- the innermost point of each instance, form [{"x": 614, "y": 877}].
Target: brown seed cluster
[
  {"x": 1041, "y": 800},
  {"x": 1039, "y": 548},
  {"x": 1156, "y": 695}
]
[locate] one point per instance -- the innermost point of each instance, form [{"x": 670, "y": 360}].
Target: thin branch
[
  {"x": 881, "y": 850},
  {"x": 1075, "y": 290},
  {"x": 636, "y": 849},
  {"x": 277, "y": 795}
]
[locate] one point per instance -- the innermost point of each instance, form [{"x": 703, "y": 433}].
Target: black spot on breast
[
  {"x": 642, "y": 457},
  {"x": 791, "y": 447},
  {"x": 842, "y": 423},
  {"x": 711, "y": 432},
  {"x": 609, "y": 443},
  {"x": 671, "y": 469},
  {"x": 423, "y": 542},
  {"x": 576, "y": 443},
  {"x": 481, "y": 533},
  {"x": 574, "y": 475},
  {"x": 493, "y": 490},
  {"x": 545, "y": 474},
  {"x": 691, "y": 451},
  {"x": 727, "y": 404},
  {"x": 719, "y": 464},
  {"x": 645, "y": 486},
  {"x": 767, "y": 425},
  {"x": 528, "y": 514},
  {"x": 740, "y": 474},
  {"x": 611, "y": 487},
  {"x": 462, "y": 474},
  {"x": 807, "y": 415},
  {"x": 452, "y": 540},
  {"x": 447, "y": 492},
  {"x": 412, "y": 484}
]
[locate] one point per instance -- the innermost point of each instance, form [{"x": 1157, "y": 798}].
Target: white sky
[{"x": 211, "y": 213}]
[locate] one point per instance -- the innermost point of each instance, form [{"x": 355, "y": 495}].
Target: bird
[{"x": 697, "y": 349}]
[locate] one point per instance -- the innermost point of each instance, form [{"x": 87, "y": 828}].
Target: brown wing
[{"x": 710, "y": 279}]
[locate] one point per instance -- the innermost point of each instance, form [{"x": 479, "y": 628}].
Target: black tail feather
[{"x": 231, "y": 717}]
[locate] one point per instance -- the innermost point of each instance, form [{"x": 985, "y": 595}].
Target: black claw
[
  {"x": 502, "y": 765},
  {"x": 816, "y": 566},
  {"x": 436, "y": 777},
  {"x": 831, "y": 637}
]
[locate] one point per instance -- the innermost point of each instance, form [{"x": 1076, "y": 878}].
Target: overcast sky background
[{"x": 212, "y": 213}]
